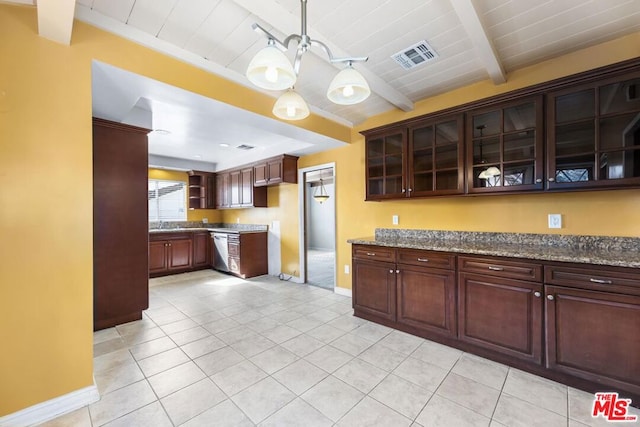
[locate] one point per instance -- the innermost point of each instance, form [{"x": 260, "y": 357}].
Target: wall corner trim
[
  {"x": 343, "y": 291},
  {"x": 51, "y": 409}
]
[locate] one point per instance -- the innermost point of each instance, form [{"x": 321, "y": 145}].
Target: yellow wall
[
  {"x": 45, "y": 201},
  {"x": 613, "y": 213},
  {"x": 46, "y": 267},
  {"x": 282, "y": 202},
  {"x": 211, "y": 215}
]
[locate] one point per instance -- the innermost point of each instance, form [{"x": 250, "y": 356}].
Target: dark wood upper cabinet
[
  {"x": 425, "y": 159},
  {"x": 276, "y": 170},
  {"x": 235, "y": 189},
  {"x": 386, "y": 153},
  {"x": 436, "y": 155},
  {"x": 593, "y": 134},
  {"x": 577, "y": 132},
  {"x": 505, "y": 147},
  {"x": 201, "y": 190},
  {"x": 223, "y": 187}
]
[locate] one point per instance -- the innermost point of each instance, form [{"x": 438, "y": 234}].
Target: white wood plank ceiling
[{"x": 475, "y": 39}]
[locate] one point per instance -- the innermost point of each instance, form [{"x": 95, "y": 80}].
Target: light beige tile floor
[{"x": 213, "y": 350}]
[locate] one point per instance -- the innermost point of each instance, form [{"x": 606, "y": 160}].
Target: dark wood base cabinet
[
  {"x": 248, "y": 254},
  {"x": 377, "y": 295},
  {"x": 576, "y": 324},
  {"x": 178, "y": 252}
]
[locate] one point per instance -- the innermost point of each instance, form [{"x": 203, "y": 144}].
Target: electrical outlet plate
[
  {"x": 346, "y": 269},
  {"x": 555, "y": 220},
  {"x": 394, "y": 219}
]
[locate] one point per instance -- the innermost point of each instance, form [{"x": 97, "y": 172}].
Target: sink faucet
[{"x": 161, "y": 225}]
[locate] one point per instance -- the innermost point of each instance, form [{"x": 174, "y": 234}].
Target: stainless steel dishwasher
[{"x": 221, "y": 252}]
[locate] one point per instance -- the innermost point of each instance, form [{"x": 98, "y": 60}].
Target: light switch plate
[
  {"x": 346, "y": 269},
  {"x": 555, "y": 220},
  {"x": 394, "y": 219}
]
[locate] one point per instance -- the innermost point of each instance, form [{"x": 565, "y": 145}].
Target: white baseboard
[
  {"x": 51, "y": 409},
  {"x": 343, "y": 291}
]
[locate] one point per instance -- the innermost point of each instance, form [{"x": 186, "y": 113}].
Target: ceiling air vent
[
  {"x": 418, "y": 54},
  {"x": 245, "y": 147}
]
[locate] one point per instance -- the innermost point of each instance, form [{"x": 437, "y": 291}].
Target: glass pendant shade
[
  {"x": 348, "y": 87},
  {"x": 489, "y": 173},
  {"x": 321, "y": 195},
  {"x": 270, "y": 69},
  {"x": 290, "y": 106}
]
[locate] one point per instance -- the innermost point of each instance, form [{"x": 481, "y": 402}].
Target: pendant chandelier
[
  {"x": 271, "y": 69},
  {"x": 321, "y": 194}
]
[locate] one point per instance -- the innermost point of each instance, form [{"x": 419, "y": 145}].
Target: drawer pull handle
[
  {"x": 371, "y": 254},
  {"x": 423, "y": 259},
  {"x": 601, "y": 281},
  {"x": 536, "y": 294},
  {"x": 550, "y": 297},
  {"x": 495, "y": 268}
]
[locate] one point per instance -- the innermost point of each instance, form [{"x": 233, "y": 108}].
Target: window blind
[{"x": 167, "y": 200}]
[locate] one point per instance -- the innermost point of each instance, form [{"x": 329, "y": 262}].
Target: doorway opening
[{"x": 318, "y": 223}]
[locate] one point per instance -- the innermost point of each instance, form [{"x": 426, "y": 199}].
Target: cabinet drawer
[
  {"x": 426, "y": 258},
  {"x": 603, "y": 278},
  {"x": 374, "y": 253},
  {"x": 501, "y": 268}
]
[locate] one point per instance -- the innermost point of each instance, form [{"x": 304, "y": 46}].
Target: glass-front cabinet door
[
  {"x": 593, "y": 135},
  {"x": 385, "y": 160},
  {"x": 504, "y": 147},
  {"x": 436, "y": 157}
]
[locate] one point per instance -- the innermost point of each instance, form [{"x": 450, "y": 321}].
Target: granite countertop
[
  {"x": 185, "y": 226},
  {"x": 612, "y": 251}
]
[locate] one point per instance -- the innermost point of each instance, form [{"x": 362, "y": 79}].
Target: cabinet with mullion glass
[
  {"x": 504, "y": 152},
  {"x": 385, "y": 160},
  {"x": 436, "y": 157},
  {"x": 593, "y": 134}
]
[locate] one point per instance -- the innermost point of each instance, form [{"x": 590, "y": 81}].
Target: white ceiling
[
  {"x": 475, "y": 40},
  {"x": 199, "y": 127}
]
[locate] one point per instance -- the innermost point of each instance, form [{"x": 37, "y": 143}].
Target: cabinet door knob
[
  {"x": 423, "y": 259},
  {"x": 391, "y": 271},
  {"x": 536, "y": 294},
  {"x": 550, "y": 297},
  {"x": 403, "y": 190},
  {"x": 397, "y": 271},
  {"x": 551, "y": 179},
  {"x": 539, "y": 180},
  {"x": 410, "y": 190}
]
